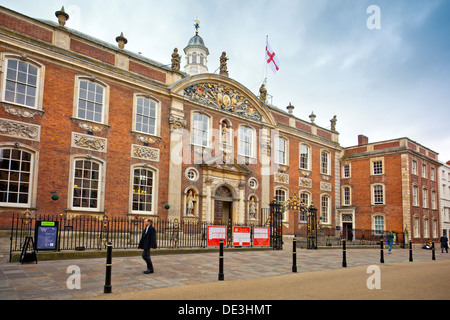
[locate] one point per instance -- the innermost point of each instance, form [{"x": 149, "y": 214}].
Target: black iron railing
[{"x": 93, "y": 233}]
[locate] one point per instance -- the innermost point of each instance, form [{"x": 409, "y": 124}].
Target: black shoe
[{"x": 148, "y": 271}]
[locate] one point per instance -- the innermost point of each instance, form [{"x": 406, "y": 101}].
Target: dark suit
[{"x": 148, "y": 241}]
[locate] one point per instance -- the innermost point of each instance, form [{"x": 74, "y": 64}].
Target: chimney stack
[{"x": 362, "y": 140}]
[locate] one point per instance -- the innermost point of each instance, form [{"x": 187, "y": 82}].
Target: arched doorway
[{"x": 223, "y": 206}]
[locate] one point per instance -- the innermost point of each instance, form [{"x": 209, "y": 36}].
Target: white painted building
[{"x": 444, "y": 181}]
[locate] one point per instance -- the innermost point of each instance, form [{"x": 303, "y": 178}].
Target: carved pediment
[{"x": 223, "y": 97}]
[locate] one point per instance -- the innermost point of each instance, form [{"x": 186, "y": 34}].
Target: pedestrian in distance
[
  {"x": 444, "y": 244},
  {"x": 390, "y": 241},
  {"x": 148, "y": 241}
]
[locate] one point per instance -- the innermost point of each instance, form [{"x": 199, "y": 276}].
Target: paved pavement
[{"x": 250, "y": 275}]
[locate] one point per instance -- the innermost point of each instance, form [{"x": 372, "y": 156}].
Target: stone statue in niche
[
  {"x": 190, "y": 203},
  {"x": 252, "y": 208}
]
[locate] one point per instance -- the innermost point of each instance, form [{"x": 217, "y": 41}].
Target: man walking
[
  {"x": 148, "y": 241},
  {"x": 444, "y": 243}
]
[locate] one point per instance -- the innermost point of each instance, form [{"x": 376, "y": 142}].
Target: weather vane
[{"x": 196, "y": 25}]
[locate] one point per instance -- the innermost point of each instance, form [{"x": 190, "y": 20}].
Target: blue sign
[{"x": 46, "y": 234}]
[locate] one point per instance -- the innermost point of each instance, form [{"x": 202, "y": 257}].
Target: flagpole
[{"x": 265, "y": 62}]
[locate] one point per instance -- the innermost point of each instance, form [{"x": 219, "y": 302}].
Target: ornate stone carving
[
  {"x": 305, "y": 182},
  {"x": 177, "y": 123},
  {"x": 281, "y": 178},
  {"x": 22, "y": 112},
  {"x": 89, "y": 126},
  {"x": 20, "y": 130},
  {"x": 88, "y": 142},
  {"x": 145, "y": 138},
  {"x": 325, "y": 186},
  {"x": 222, "y": 97},
  {"x": 145, "y": 153}
]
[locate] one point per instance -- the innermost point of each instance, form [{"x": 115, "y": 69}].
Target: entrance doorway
[
  {"x": 223, "y": 206},
  {"x": 223, "y": 212},
  {"x": 347, "y": 231}
]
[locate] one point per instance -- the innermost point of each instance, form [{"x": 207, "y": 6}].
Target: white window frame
[
  {"x": 40, "y": 77},
  {"x": 376, "y": 195},
  {"x": 304, "y": 195},
  {"x": 424, "y": 197},
  {"x": 278, "y": 197},
  {"x": 154, "y": 196},
  {"x": 378, "y": 224},
  {"x": 157, "y": 115},
  {"x": 248, "y": 132},
  {"x": 346, "y": 198},
  {"x": 325, "y": 211},
  {"x": 424, "y": 170},
  {"x": 416, "y": 227},
  {"x": 346, "y": 174},
  {"x": 377, "y": 166},
  {"x": 77, "y": 97},
  {"x": 308, "y": 157},
  {"x": 281, "y": 150},
  {"x": 415, "y": 195},
  {"x": 32, "y": 183},
  {"x": 205, "y": 139},
  {"x": 325, "y": 162},
  {"x": 414, "y": 167},
  {"x": 101, "y": 183}
]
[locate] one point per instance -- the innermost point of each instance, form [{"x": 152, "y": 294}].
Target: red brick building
[
  {"x": 390, "y": 185},
  {"x": 89, "y": 128}
]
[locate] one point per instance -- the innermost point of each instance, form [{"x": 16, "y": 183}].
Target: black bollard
[
  {"x": 344, "y": 253},
  {"x": 221, "y": 275},
  {"x": 381, "y": 251},
  {"x": 294, "y": 255},
  {"x": 410, "y": 251},
  {"x": 108, "y": 287},
  {"x": 433, "y": 254}
]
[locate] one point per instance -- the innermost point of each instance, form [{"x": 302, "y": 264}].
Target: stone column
[{"x": 177, "y": 125}]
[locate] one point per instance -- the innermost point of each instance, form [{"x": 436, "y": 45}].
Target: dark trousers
[{"x": 147, "y": 259}]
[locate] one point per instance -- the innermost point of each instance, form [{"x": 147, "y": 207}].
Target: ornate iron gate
[
  {"x": 276, "y": 228},
  {"x": 278, "y": 209}
]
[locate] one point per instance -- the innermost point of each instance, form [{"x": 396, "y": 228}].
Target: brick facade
[
  {"x": 397, "y": 211},
  {"x": 116, "y": 155},
  {"x": 126, "y": 171}
]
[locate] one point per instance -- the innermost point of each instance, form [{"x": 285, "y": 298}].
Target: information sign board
[
  {"x": 241, "y": 236},
  {"x": 215, "y": 234},
  {"x": 261, "y": 237},
  {"x": 46, "y": 235}
]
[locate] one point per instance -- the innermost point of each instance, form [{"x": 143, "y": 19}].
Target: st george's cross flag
[{"x": 272, "y": 59}]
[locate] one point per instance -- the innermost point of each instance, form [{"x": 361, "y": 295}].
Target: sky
[{"x": 381, "y": 66}]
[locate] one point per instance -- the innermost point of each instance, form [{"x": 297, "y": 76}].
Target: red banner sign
[
  {"x": 215, "y": 234},
  {"x": 261, "y": 237},
  {"x": 241, "y": 236}
]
